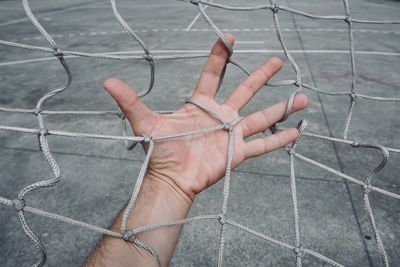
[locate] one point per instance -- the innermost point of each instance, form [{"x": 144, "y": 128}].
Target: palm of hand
[
  {"x": 197, "y": 161},
  {"x": 194, "y": 162}
]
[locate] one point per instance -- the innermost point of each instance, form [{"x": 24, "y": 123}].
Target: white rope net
[{"x": 275, "y": 8}]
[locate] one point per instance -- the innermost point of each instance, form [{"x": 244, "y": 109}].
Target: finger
[
  {"x": 250, "y": 86},
  {"x": 209, "y": 78},
  {"x": 262, "y": 120},
  {"x": 127, "y": 99},
  {"x": 270, "y": 143}
]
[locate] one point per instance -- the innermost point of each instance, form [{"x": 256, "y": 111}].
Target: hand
[{"x": 192, "y": 163}]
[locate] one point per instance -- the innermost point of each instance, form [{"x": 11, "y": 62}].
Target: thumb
[{"x": 128, "y": 101}]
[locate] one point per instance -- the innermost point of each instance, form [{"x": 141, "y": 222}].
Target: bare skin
[{"x": 181, "y": 168}]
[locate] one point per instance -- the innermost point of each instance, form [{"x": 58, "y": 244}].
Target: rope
[{"x": 129, "y": 235}]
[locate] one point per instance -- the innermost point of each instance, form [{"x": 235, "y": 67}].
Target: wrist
[
  {"x": 168, "y": 185},
  {"x": 159, "y": 201}
]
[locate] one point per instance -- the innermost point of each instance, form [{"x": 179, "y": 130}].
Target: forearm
[{"x": 159, "y": 201}]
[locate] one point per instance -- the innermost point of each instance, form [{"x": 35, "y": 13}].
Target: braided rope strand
[{"x": 19, "y": 203}]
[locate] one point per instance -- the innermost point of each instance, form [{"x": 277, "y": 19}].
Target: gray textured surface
[{"x": 97, "y": 175}]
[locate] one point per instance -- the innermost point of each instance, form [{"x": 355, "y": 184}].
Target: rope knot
[
  {"x": 36, "y": 111},
  {"x": 122, "y": 116},
  {"x": 299, "y": 251},
  {"x": 355, "y": 144},
  {"x": 353, "y": 96},
  {"x": 227, "y": 126},
  {"x": 222, "y": 218},
  {"x": 19, "y": 204},
  {"x": 195, "y": 2},
  {"x": 367, "y": 188},
  {"x": 149, "y": 57},
  {"x": 58, "y": 53},
  {"x": 297, "y": 84},
  {"x": 43, "y": 131},
  {"x": 275, "y": 9},
  {"x": 273, "y": 129},
  {"x": 128, "y": 236},
  {"x": 348, "y": 19},
  {"x": 290, "y": 150},
  {"x": 146, "y": 138}
]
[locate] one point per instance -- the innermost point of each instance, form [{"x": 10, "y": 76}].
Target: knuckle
[
  {"x": 249, "y": 87},
  {"x": 265, "y": 72},
  {"x": 266, "y": 146},
  {"x": 130, "y": 104},
  {"x": 266, "y": 118},
  {"x": 212, "y": 72},
  {"x": 231, "y": 104},
  {"x": 280, "y": 142},
  {"x": 245, "y": 127},
  {"x": 219, "y": 57}
]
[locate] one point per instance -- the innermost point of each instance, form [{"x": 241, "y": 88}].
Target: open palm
[{"x": 192, "y": 163}]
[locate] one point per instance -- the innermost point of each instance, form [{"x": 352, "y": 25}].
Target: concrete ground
[{"x": 97, "y": 176}]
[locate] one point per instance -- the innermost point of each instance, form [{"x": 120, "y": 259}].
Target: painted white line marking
[
  {"x": 195, "y": 19},
  {"x": 15, "y": 21},
  {"x": 239, "y": 51},
  {"x": 249, "y": 42},
  {"x": 158, "y": 5},
  {"x": 224, "y": 30}
]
